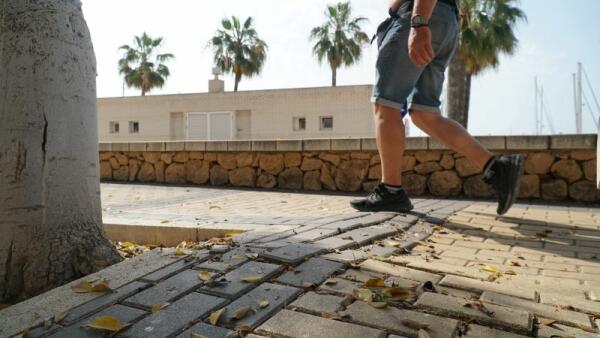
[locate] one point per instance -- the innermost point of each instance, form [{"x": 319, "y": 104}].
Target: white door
[
  {"x": 197, "y": 126},
  {"x": 209, "y": 126},
  {"x": 220, "y": 126}
]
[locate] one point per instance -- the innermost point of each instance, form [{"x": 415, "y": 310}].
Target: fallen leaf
[
  {"x": 377, "y": 283},
  {"x": 596, "y": 315},
  {"x": 158, "y": 307},
  {"x": 108, "y": 323},
  {"x": 180, "y": 253},
  {"x": 379, "y": 305},
  {"x": 214, "y": 207},
  {"x": 59, "y": 316},
  {"x": 238, "y": 257},
  {"x": 243, "y": 329},
  {"x": 242, "y": 312},
  {"x": 423, "y": 334},
  {"x": 165, "y": 221},
  {"x": 477, "y": 304},
  {"x": 213, "y": 319},
  {"x": 22, "y": 334},
  {"x": 510, "y": 272},
  {"x": 330, "y": 282},
  {"x": 87, "y": 286},
  {"x": 489, "y": 268},
  {"x": 398, "y": 293},
  {"x": 546, "y": 321},
  {"x": 252, "y": 255},
  {"x": 587, "y": 328},
  {"x": 263, "y": 303},
  {"x": 514, "y": 263},
  {"x": 205, "y": 275},
  {"x": 413, "y": 324},
  {"x": 128, "y": 244},
  {"x": 232, "y": 234},
  {"x": 196, "y": 335},
  {"x": 363, "y": 294},
  {"x": 252, "y": 279}
]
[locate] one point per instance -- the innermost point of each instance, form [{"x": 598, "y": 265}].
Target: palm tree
[
  {"x": 238, "y": 49},
  {"x": 486, "y": 32},
  {"x": 142, "y": 66},
  {"x": 340, "y": 39}
]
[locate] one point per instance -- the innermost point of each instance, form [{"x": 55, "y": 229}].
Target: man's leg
[
  {"x": 389, "y": 131},
  {"x": 453, "y": 135}
]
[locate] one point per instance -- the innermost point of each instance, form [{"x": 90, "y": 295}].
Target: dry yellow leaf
[
  {"x": 214, "y": 317},
  {"x": 232, "y": 234},
  {"x": 375, "y": 282},
  {"x": 165, "y": 221},
  {"x": 128, "y": 244},
  {"x": 87, "y": 286},
  {"x": 180, "y": 253},
  {"x": 214, "y": 207},
  {"x": 252, "y": 279},
  {"x": 108, "y": 323},
  {"x": 423, "y": 334},
  {"x": 398, "y": 293},
  {"x": 546, "y": 321},
  {"x": 158, "y": 307},
  {"x": 489, "y": 268},
  {"x": 510, "y": 272},
  {"x": 363, "y": 294},
  {"x": 197, "y": 335},
  {"x": 242, "y": 312},
  {"x": 59, "y": 316},
  {"x": 263, "y": 303},
  {"x": 205, "y": 275},
  {"x": 379, "y": 305},
  {"x": 237, "y": 257},
  {"x": 252, "y": 255}
]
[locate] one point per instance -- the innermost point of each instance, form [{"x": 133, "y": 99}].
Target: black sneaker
[
  {"x": 381, "y": 199},
  {"x": 504, "y": 175}
]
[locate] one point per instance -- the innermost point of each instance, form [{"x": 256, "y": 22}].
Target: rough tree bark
[
  {"x": 459, "y": 91},
  {"x": 50, "y": 217}
]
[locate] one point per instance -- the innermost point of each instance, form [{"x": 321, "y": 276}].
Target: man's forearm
[{"x": 424, "y": 7}]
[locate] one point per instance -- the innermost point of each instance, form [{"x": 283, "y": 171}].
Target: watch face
[{"x": 418, "y": 20}]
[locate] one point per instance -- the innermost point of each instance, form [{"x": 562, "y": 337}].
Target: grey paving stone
[
  {"x": 278, "y": 296},
  {"x": 338, "y": 218},
  {"x": 234, "y": 284},
  {"x": 391, "y": 318},
  {"x": 312, "y": 272},
  {"x": 404, "y": 220},
  {"x": 399, "y": 271},
  {"x": 175, "y": 317},
  {"x": 300, "y": 325},
  {"x": 340, "y": 286},
  {"x": 335, "y": 243},
  {"x": 288, "y": 233},
  {"x": 360, "y": 276},
  {"x": 368, "y": 234},
  {"x": 547, "y": 311},
  {"x": 357, "y": 255},
  {"x": 512, "y": 319},
  {"x": 318, "y": 303},
  {"x": 481, "y": 286},
  {"x": 560, "y": 331},
  {"x": 271, "y": 245},
  {"x": 293, "y": 253},
  {"x": 168, "y": 271},
  {"x": 478, "y": 331},
  {"x": 206, "y": 331},
  {"x": 354, "y": 223},
  {"x": 167, "y": 290},
  {"x": 102, "y": 302},
  {"x": 228, "y": 261},
  {"x": 43, "y": 331},
  {"x": 313, "y": 235},
  {"x": 122, "y": 313}
]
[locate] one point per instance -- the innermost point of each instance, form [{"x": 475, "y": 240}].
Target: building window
[
  {"x": 326, "y": 123},
  {"x": 113, "y": 127},
  {"x": 299, "y": 123},
  {"x": 134, "y": 127}
]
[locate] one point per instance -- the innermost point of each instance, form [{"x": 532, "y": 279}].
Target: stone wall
[{"x": 557, "y": 168}]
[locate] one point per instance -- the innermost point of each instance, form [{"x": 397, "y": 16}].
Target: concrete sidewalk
[{"x": 308, "y": 266}]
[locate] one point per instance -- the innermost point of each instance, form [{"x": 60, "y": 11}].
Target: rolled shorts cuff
[
  {"x": 424, "y": 108},
  {"x": 387, "y": 103}
]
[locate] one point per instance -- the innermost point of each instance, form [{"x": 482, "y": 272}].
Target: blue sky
[{"x": 557, "y": 35}]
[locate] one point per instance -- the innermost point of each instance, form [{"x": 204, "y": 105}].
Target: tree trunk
[
  {"x": 459, "y": 91},
  {"x": 50, "y": 217},
  {"x": 238, "y": 78},
  {"x": 333, "y": 76}
]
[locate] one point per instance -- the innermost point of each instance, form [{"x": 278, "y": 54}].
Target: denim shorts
[{"x": 398, "y": 80}]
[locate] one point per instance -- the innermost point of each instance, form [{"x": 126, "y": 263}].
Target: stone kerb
[{"x": 558, "y": 168}]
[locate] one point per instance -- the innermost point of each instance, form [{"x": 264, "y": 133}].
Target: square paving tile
[
  {"x": 167, "y": 290},
  {"x": 294, "y": 253},
  {"x": 234, "y": 285},
  {"x": 312, "y": 272},
  {"x": 122, "y": 313}
]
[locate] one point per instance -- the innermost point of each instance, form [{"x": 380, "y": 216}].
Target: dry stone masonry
[{"x": 557, "y": 168}]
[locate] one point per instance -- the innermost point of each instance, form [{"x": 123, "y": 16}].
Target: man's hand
[{"x": 419, "y": 46}]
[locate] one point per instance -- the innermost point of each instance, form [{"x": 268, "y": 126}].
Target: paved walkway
[{"x": 313, "y": 268}]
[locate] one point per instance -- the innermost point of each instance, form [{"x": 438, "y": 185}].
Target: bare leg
[
  {"x": 452, "y": 134},
  {"x": 389, "y": 129}
]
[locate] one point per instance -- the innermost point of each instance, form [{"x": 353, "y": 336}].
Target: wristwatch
[{"x": 419, "y": 21}]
